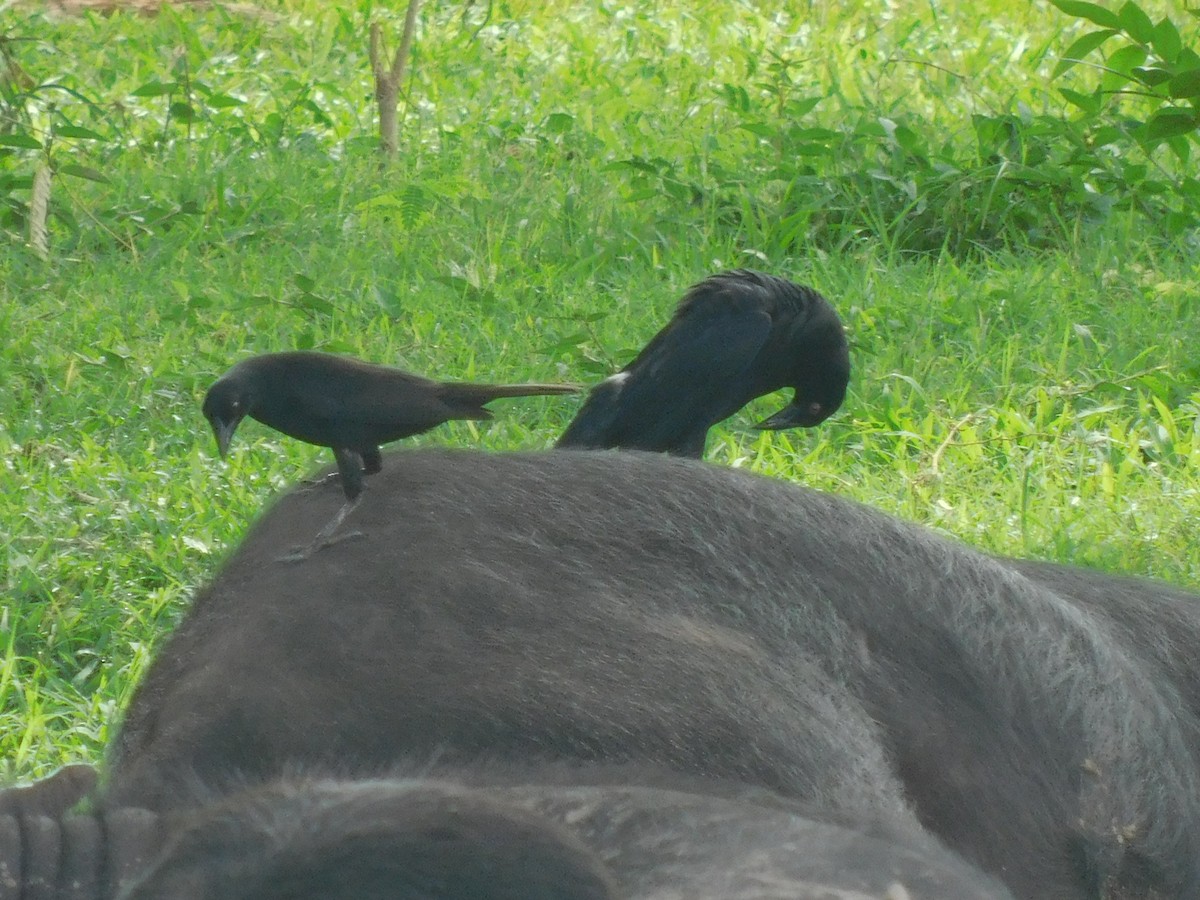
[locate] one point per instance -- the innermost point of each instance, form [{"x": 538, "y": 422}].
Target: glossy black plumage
[
  {"x": 734, "y": 336},
  {"x": 345, "y": 404}
]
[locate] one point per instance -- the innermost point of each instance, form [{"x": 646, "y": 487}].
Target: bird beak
[
  {"x": 224, "y": 433},
  {"x": 797, "y": 414}
]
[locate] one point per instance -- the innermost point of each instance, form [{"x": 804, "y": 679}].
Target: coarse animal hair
[
  {"x": 631, "y": 608},
  {"x": 1158, "y": 621},
  {"x": 488, "y": 831}
]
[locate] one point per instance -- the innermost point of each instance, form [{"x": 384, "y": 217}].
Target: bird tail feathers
[{"x": 478, "y": 394}]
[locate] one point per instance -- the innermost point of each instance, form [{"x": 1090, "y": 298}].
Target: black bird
[
  {"x": 735, "y": 336},
  {"x": 347, "y": 405}
]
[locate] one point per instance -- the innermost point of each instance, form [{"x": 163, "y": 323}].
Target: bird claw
[
  {"x": 310, "y": 483},
  {"x": 299, "y": 554},
  {"x": 325, "y": 536}
]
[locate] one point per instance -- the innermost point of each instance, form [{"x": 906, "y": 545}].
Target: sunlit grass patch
[{"x": 1025, "y": 373}]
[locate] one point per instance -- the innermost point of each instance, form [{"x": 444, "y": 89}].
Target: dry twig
[
  {"x": 388, "y": 78},
  {"x": 39, "y": 209}
]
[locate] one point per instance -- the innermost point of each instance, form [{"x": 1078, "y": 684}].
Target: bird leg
[
  {"x": 325, "y": 536},
  {"x": 350, "y": 469},
  {"x": 352, "y": 465},
  {"x": 372, "y": 460}
]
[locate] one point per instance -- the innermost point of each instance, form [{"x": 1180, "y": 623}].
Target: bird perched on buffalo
[
  {"x": 347, "y": 405},
  {"x": 735, "y": 336}
]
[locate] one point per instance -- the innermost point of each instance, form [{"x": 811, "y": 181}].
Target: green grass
[{"x": 565, "y": 174}]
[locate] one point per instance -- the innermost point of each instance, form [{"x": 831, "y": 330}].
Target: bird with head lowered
[
  {"x": 346, "y": 404},
  {"x": 735, "y": 336}
]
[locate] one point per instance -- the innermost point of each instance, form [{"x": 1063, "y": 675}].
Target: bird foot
[
  {"x": 325, "y": 536},
  {"x": 310, "y": 483},
  {"x": 298, "y": 554}
]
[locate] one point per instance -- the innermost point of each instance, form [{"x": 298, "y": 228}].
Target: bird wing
[
  {"x": 684, "y": 380},
  {"x": 394, "y": 404}
]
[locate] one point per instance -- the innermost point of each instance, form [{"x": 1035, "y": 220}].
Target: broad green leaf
[
  {"x": 593, "y": 366},
  {"x": 1081, "y": 48},
  {"x": 1136, "y": 23},
  {"x": 559, "y": 122},
  {"x": 1151, "y": 77},
  {"x": 183, "y": 112},
  {"x": 83, "y": 172},
  {"x": 316, "y": 303},
  {"x": 390, "y": 301},
  {"x": 1089, "y": 103},
  {"x": 1134, "y": 172},
  {"x": 1090, "y": 11},
  {"x": 1185, "y": 84},
  {"x": 770, "y": 132},
  {"x": 115, "y": 356},
  {"x": 569, "y": 342},
  {"x": 812, "y": 134},
  {"x": 1120, "y": 65},
  {"x": 798, "y": 108},
  {"x": 155, "y": 88},
  {"x": 319, "y": 115},
  {"x": 20, "y": 139},
  {"x": 223, "y": 101},
  {"x": 76, "y": 131},
  {"x": 910, "y": 141},
  {"x": 1169, "y": 123},
  {"x": 1126, "y": 58},
  {"x": 1166, "y": 40},
  {"x": 1182, "y": 148}
]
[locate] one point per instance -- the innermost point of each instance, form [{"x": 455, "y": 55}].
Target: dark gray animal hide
[
  {"x": 485, "y": 836},
  {"x": 631, "y": 609}
]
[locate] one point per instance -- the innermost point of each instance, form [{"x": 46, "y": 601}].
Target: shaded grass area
[{"x": 566, "y": 175}]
